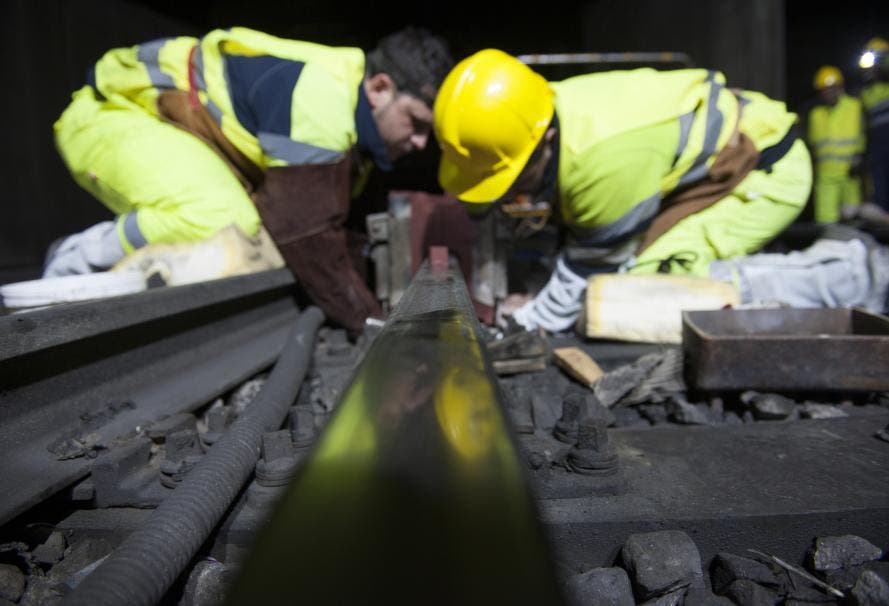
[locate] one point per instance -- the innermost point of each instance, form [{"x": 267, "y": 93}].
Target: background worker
[
  {"x": 647, "y": 171},
  {"x": 835, "y": 133},
  {"x": 181, "y": 137},
  {"x": 875, "y": 99}
]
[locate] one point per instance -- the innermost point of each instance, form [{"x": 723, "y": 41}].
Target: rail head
[{"x": 415, "y": 491}]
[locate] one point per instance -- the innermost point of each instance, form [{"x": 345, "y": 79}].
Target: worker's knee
[
  {"x": 78, "y": 115},
  {"x": 179, "y": 188}
]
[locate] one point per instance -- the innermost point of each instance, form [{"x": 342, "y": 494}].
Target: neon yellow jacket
[
  {"x": 280, "y": 102},
  {"x": 298, "y": 111},
  {"x": 836, "y": 135},
  {"x": 621, "y": 153}
]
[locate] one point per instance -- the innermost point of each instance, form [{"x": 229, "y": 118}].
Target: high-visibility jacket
[
  {"x": 294, "y": 110},
  {"x": 875, "y": 99},
  {"x": 280, "y": 102},
  {"x": 611, "y": 186},
  {"x": 836, "y": 135}
]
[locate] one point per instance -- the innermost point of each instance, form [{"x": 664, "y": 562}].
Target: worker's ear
[{"x": 380, "y": 89}]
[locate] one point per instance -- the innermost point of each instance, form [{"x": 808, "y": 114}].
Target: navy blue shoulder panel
[{"x": 261, "y": 90}]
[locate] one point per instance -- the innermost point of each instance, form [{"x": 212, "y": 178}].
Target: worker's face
[
  {"x": 830, "y": 94},
  {"x": 404, "y": 121},
  {"x": 530, "y": 181},
  {"x": 879, "y": 72},
  {"x": 405, "y": 124}
]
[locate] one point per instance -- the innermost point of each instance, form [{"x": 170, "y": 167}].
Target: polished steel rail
[{"x": 415, "y": 492}]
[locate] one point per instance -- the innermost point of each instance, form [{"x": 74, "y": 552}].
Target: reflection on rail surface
[{"x": 415, "y": 492}]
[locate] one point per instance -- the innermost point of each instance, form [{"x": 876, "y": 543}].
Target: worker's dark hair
[{"x": 415, "y": 59}]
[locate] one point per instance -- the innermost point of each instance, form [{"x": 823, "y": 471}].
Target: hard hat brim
[{"x": 486, "y": 187}]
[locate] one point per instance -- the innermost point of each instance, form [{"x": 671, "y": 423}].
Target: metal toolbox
[{"x": 786, "y": 349}]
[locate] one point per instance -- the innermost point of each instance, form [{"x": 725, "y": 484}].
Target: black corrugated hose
[{"x": 147, "y": 563}]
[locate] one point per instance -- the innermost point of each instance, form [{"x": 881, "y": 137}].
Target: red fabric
[
  {"x": 441, "y": 220},
  {"x": 438, "y": 257}
]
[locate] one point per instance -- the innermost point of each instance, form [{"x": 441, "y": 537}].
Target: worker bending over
[
  {"x": 835, "y": 133},
  {"x": 181, "y": 137},
  {"x": 647, "y": 171}
]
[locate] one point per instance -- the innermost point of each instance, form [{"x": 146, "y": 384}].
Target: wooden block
[
  {"x": 523, "y": 344},
  {"x": 577, "y": 364},
  {"x": 648, "y": 309}
]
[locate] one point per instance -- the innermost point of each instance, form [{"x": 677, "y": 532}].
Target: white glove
[
  {"x": 507, "y": 307},
  {"x": 557, "y": 305},
  {"x": 94, "y": 249}
]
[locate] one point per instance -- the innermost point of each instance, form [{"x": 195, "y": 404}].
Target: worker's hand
[
  {"x": 507, "y": 307},
  {"x": 556, "y": 307},
  {"x": 849, "y": 212}
]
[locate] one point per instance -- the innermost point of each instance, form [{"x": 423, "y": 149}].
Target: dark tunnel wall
[
  {"x": 742, "y": 38},
  {"x": 833, "y": 37},
  {"x": 48, "y": 45}
]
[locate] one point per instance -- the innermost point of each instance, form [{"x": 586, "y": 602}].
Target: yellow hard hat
[
  {"x": 874, "y": 48},
  {"x": 877, "y": 45},
  {"x": 827, "y": 75},
  {"x": 490, "y": 113}
]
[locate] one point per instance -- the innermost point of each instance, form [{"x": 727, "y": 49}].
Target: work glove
[
  {"x": 557, "y": 306},
  {"x": 505, "y": 309},
  {"x": 94, "y": 249}
]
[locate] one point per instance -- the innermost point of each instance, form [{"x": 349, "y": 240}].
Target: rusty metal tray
[{"x": 786, "y": 349}]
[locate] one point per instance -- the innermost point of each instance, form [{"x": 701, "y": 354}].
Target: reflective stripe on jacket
[
  {"x": 280, "y": 102},
  {"x": 628, "y": 139},
  {"x": 835, "y": 135}
]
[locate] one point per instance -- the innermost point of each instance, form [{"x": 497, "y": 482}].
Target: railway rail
[{"x": 74, "y": 378}]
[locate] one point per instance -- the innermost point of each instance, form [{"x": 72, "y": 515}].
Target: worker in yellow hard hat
[
  {"x": 835, "y": 133},
  {"x": 875, "y": 99},
  {"x": 873, "y": 53},
  {"x": 646, "y": 171},
  {"x": 180, "y": 137}
]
